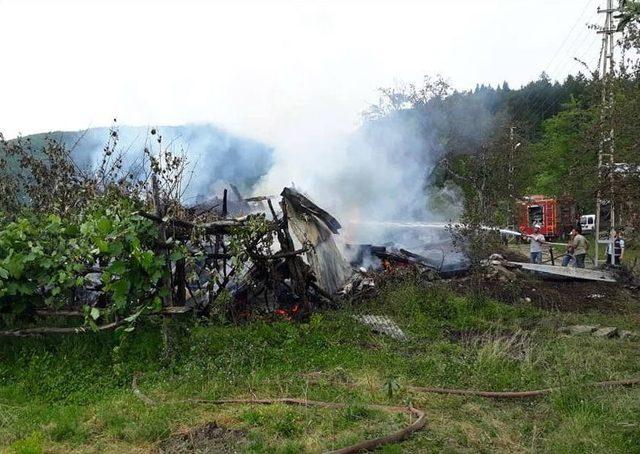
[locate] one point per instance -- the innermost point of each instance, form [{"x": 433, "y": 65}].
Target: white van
[{"x": 588, "y": 223}]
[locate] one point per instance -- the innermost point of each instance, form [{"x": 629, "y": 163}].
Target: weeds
[{"x": 66, "y": 395}]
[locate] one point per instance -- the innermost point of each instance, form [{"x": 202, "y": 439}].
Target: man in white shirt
[{"x": 537, "y": 240}]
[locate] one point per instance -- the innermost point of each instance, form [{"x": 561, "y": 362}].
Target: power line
[
  {"x": 543, "y": 104},
  {"x": 586, "y": 7},
  {"x": 546, "y": 102}
]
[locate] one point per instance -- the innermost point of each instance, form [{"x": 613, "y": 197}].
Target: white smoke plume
[
  {"x": 214, "y": 157},
  {"x": 377, "y": 173}
]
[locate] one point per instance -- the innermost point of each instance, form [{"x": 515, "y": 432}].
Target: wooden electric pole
[{"x": 607, "y": 145}]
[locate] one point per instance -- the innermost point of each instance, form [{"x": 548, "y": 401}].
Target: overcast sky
[{"x": 277, "y": 71}]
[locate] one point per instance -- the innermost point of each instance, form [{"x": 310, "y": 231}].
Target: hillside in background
[
  {"x": 218, "y": 156},
  {"x": 541, "y": 138}
]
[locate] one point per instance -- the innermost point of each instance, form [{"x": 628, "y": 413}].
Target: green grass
[{"x": 67, "y": 394}]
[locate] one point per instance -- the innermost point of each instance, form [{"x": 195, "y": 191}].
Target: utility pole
[{"x": 607, "y": 144}]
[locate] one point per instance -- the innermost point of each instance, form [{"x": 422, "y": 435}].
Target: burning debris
[
  {"x": 390, "y": 257},
  {"x": 278, "y": 280},
  {"x": 308, "y": 268}
]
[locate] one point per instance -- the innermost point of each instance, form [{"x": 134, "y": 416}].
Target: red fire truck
[{"x": 556, "y": 216}]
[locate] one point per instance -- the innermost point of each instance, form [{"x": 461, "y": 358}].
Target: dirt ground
[
  {"x": 205, "y": 439},
  {"x": 562, "y": 296}
]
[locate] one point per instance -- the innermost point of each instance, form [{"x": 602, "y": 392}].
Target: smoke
[
  {"x": 213, "y": 155},
  {"x": 379, "y": 172},
  {"x": 382, "y": 180}
]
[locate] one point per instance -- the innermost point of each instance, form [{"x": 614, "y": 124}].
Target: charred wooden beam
[
  {"x": 297, "y": 268},
  {"x": 160, "y": 212},
  {"x": 225, "y": 209},
  {"x": 171, "y": 310},
  {"x": 260, "y": 198},
  {"x": 419, "y": 258},
  {"x": 414, "y": 259},
  {"x": 60, "y": 330},
  {"x": 180, "y": 282}
]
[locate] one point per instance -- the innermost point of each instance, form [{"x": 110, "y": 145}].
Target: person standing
[
  {"x": 580, "y": 246},
  {"x": 537, "y": 240},
  {"x": 568, "y": 255},
  {"x": 615, "y": 249}
]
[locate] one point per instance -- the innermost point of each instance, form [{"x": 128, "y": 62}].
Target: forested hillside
[{"x": 499, "y": 143}]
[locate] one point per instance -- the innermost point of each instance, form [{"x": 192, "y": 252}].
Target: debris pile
[
  {"x": 360, "y": 284},
  {"x": 390, "y": 257},
  {"x": 290, "y": 280},
  {"x": 498, "y": 268},
  {"x": 283, "y": 262}
]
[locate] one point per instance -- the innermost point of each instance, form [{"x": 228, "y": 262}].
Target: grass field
[{"x": 73, "y": 394}]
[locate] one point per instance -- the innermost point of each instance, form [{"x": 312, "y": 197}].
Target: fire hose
[
  {"x": 365, "y": 445},
  {"x": 521, "y": 394},
  {"x": 398, "y": 435}
]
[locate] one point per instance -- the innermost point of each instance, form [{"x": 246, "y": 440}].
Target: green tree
[{"x": 565, "y": 158}]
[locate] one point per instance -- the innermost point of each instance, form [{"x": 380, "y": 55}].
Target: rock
[
  {"x": 606, "y": 331},
  {"x": 579, "y": 329}
]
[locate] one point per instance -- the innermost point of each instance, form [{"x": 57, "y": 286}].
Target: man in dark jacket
[{"x": 615, "y": 250}]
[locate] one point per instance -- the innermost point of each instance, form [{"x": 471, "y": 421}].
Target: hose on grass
[
  {"x": 521, "y": 394},
  {"x": 398, "y": 435},
  {"x": 365, "y": 445}
]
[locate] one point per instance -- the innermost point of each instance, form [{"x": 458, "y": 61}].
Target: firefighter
[
  {"x": 537, "y": 239},
  {"x": 615, "y": 256}
]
